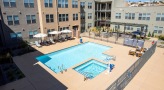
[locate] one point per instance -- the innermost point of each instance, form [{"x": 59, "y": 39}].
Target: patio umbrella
[
  {"x": 40, "y": 35},
  {"x": 138, "y": 33},
  {"x": 66, "y": 31},
  {"x": 54, "y": 32}
]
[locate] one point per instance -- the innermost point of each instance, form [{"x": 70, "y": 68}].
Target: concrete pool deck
[{"x": 39, "y": 77}]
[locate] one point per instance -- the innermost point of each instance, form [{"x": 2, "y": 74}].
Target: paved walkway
[{"x": 151, "y": 75}]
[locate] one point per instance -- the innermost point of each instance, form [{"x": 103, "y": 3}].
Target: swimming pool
[
  {"x": 91, "y": 69},
  {"x": 66, "y": 58}
]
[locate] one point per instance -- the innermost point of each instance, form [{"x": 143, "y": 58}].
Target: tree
[
  {"x": 152, "y": 34},
  {"x": 149, "y": 34}
]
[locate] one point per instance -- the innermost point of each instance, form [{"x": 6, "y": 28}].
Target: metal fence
[{"x": 128, "y": 75}]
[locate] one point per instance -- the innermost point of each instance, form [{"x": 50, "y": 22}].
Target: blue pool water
[
  {"x": 66, "y": 58},
  {"x": 91, "y": 69}
]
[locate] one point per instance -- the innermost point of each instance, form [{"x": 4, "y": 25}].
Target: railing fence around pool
[{"x": 128, "y": 75}]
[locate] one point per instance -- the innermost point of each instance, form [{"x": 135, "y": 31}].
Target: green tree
[
  {"x": 152, "y": 34},
  {"x": 149, "y": 34}
]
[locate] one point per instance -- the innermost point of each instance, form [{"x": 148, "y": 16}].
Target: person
[
  {"x": 152, "y": 42},
  {"x": 111, "y": 66},
  {"x": 81, "y": 40}
]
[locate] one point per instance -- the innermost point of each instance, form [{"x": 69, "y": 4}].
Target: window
[
  {"x": 128, "y": 27},
  {"x": 63, "y": 17},
  {"x": 29, "y": 3},
  {"x": 148, "y": 16},
  {"x": 162, "y": 17},
  {"x": 144, "y": 16},
  {"x": 83, "y": 25},
  {"x": 133, "y": 16},
  {"x": 13, "y": 35},
  {"x": 49, "y": 18},
  {"x": 74, "y": 4},
  {"x": 130, "y": 16},
  {"x": 63, "y": 28},
  {"x": 117, "y": 27},
  {"x": 48, "y": 3},
  {"x": 16, "y": 35},
  {"x": 126, "y": 15},
  {"x": 62, "y": 3},
  {"x": 158, "y": 16},
  {"x": 155, "y": 29},
  {"x": 89, "y": 25},
  {"x": 89, "y": 15},
  {"x": 32, "y": 33},
  {"x": 75, "y": 17},
  {"x": 140, "y": 16},
  {"x": 13, "y": 20},
  {"x": 118, "y": 16},
  {"x": 89, "y": 5},
  {"x": 82, "y": 15},
  {"x": 158, "y": 29},
  {"x": 9, "y": 3},
  {"x": 30, "y": 19},
  {"x": 82, "y": 4}
]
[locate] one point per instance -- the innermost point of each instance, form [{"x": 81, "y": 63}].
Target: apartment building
[
  {"x": 153, "y": 16},
  {"x": 20, "y": 19},
  {"x": 87, "y": 12},
  {"x": 106, "y": 11},
  {"x": 59, "y": 15},
  {"x": 103, "y": 12}
]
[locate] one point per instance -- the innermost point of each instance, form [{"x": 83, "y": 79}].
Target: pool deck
[{"x": 40, "y": 77}]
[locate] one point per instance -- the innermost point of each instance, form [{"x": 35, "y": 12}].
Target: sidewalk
[{"x": 151, "y": 75}]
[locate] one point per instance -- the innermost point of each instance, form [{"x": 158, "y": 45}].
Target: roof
[{"x": 129, "y": 24}]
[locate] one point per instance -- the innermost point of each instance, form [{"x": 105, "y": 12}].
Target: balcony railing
[
  {"x": 103, "y": 18},
  {"x": 103, "y": 10}
]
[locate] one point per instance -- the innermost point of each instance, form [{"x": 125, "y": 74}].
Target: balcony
[
  {"x": 103, "y": 10},
  {"x": 103, "y": 19}
]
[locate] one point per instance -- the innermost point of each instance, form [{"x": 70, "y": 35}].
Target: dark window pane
[
  {"x": 47, "y": 20},
  {"x": 162, "y": 18},
  {"x": 32, "y": 5},
  {"x": 46, "y": 4},
  {"x": 157, "y": 18},
  {"x": 6, "y": 4},
  {"x": 50, "y": 5},
  {"x": 16, "y": 22},
  {"x": 26, "y": 5},
  {"x": 10, "y": 22},
  {"x": 52, "y": 20},
  {"x": 28, "y": 21},
  {"x": 13, "y": 4},
  {"x": 33, "y": 21}
]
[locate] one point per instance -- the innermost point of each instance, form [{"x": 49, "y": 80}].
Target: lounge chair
[
  {"x": 126, "y": 41},
  {"x": 37, "y": 44},
  {"x": 139, "y": 54},
  {"x": 132, "y": 52},
  {"x": 135, "y": 43},
  {"x": 139, "y": 48},
  {"x": 140, "y": 43},
  {"x": 130, "y": 42},
  {"x": 52, "y": 41}
]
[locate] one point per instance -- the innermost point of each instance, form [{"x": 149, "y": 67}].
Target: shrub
[
  {"x": 149, "y": 35},
  {"x": 161, "y": 37},
  {"x": 152, "y": 34}
]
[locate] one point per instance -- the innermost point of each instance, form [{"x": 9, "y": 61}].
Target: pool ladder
[
  {"x": 86, "y": 75},
  {"x": 61, "y": 68}
]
